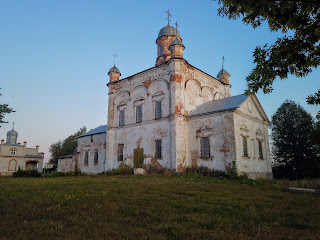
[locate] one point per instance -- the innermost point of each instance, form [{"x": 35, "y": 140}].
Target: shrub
[
  {"x": 69, "y": 173},
  {"x": 121, "y": 170},
  {"x": 57, "y": 174},
  {"x": 152, "y": 169},
  {"x": 26, "y": 173}
]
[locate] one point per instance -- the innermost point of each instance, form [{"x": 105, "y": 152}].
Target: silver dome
[{"x": 168, "y": 30}]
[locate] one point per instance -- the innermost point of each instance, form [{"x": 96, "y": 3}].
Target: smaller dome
[
  {"x": 223, "y": 72},
  {"x": 168, "y": 30},
  {"x": 114, "y": 69},
  {"x": 12, "y": 133},
  {"x": 176, "y": 42}
]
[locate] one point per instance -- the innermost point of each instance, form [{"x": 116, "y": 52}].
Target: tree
[
  {"x": 293, "y": 144},
  {"x": 4, "y": 109},
  {"x": 297, "y": 52},
  {"x": 65, "y": 147}
]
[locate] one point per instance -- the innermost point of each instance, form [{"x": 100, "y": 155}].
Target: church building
[
  {"x": 175, "y": 115},
  {"x": 14, "y": 155}
]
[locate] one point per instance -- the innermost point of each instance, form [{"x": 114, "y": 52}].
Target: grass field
[{"x": 156, "y": 207}]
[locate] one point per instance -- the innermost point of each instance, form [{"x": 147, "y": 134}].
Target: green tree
[
  {"x": 292, "y": 142},
  {"x": 297, "y": 52},
  {"x": 65, "y": 147},
  {"x": 4, "y": 109}
]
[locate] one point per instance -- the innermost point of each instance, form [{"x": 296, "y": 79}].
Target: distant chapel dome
[
  {"x": 12, "y": 136},
  {"x": 114, "y": 69},
  {"x": 168, "y": 30}
]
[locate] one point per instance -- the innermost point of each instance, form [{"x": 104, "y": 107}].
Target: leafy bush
[
  {"x": 121, "y": 170},
  {"x": 26, "y": 173},
  {"x": 57, "y": 174},
  {"x": 204, "y": 171}
]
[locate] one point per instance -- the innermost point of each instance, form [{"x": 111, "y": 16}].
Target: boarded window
[
  {"x": 158, "y": 110},
  {"x": 121, "y": 118},
  {"x": 245, "y": 147},
  {"x": 86, "y": 157},
  {"x": 139, "y": 114},
  {"x": 13, "y": 152},
  {"x": 96, "y": 156},
  {"x": 205, "y": 147},
  {"x": 158, "y": 153},
  {"x": 120, "y": 152},
  {"x": 260, "y": 149}
]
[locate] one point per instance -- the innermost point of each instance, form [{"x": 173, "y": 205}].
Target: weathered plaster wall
[
  {"x": 66, "y": 164},
  {"x": 85, "y": 144},
  {"x": 220, "y": 130},
  {"x": 252, "y": 123}
]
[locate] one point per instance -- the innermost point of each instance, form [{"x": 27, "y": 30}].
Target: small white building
[
  {"x": 90, "y": 155},
  {"x": 14, "y": 155}
]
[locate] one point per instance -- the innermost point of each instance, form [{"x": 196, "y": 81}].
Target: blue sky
[{"x": 55, "y": 55}]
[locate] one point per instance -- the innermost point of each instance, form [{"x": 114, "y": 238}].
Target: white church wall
[
  {"x": 91, "y": 144},
  {"x": 219, "y": 128},
  {"x": 251, "y": 124}
]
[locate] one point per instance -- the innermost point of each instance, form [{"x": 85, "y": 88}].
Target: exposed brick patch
[
  {"x": 157, "y": 164},
  {"x": 147, "y": 83},
  {"x": 225, "y": 146},
  {"x": 176, "y": 78},
  {"x": 178, "y": 108}
]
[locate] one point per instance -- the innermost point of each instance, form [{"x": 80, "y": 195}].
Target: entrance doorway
[
  {"x": 138, "y": 158},
  {"x": 32, "y": 165}
]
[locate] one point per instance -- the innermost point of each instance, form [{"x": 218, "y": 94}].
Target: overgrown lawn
[{"x": 155, "y": 207}]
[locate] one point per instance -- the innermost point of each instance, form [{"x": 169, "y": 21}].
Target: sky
[{"x": 55, "y": 56}]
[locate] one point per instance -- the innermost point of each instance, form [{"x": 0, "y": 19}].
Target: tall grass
[{"x": 155, "y": 207}]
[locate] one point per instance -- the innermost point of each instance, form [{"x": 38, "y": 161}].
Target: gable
[{"x": 252, "y": 107}]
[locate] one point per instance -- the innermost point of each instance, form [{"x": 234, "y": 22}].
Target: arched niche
[
  {"x": 207, "y": 94},
  {"x": 12, "y": 165},
  {"x": 122, "y": 97},
  {"x": 218, "y": 95},
  {"x": 192, "y": 95},
  {"x": 159, "y": 85}
]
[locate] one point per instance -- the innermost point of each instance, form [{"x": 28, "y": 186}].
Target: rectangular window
[
  {"x": 158, "y": 153},
  {"x": 86, "y": 157},
  {"x": 260, "y": 149},
  {"x": 158, "y": 110},
  {"x": 120, "y": 152},
  {"x": 139, "y": 114},
  {"x": 245, "y": 147},
  {"x": 121, "y": 118},
  {"x": 205, "y": 147},
  {"x": 91, "y": 138},
  {"x": 96, "y": 157}
]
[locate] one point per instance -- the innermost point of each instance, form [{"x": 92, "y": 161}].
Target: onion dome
[
  {"x": 114, "y": 69},
  {"x": 12, "y": 136},
  {"x": 176, "y": 42},
  {"x": 168, "y": 31}
]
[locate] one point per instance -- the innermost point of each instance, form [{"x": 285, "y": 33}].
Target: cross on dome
[
  {"x": 169, "y": 15},
  {"x": 114, "y": 60}
]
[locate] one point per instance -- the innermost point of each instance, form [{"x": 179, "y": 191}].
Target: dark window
[
  {"x": 120, "y": 152},
  {"x": 161, "y": 50},
  {"x": 158, "y": 154},
  {"x": 86, "y": 157},
  {"x": 13, "y": 152},
  {"x": 91, "y": 138},
  {"x": 245, "y": 147},
  {"x": 96, "y": 157},
  {"x": 205, "y": 147},
  {"x": 121, "y": 118},
  {"x": 260, "y": 149},
  {"x": 139, "y": 114},
  {"x": 158, "y": 110}
]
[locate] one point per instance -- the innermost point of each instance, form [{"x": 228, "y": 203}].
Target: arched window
[{"x": 13, "y": 151}]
